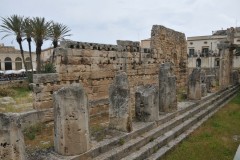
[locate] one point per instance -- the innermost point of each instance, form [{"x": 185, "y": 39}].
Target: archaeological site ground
[{"x": 124, "y": 101}]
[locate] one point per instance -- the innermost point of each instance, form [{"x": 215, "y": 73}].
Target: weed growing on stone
[
  {"x": 32, "y": 131},
  {"x": 121, "y": 141}
]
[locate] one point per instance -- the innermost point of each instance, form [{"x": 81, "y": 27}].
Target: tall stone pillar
[
  {"x": 71, "y": 118},
  {"x": 194, "y": 84},
  {"x": 226, "y": 59},
  {"x": 120, "y": 109},
  {"x": 167, "y": 88},
  {"x": 147, "y": 103},
  {"x": 12, "y": 145}
]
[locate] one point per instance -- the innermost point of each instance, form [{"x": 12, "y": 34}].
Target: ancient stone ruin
[
  {"x": 95, "y": 65},
  {"x": 132, "y": 90},
  {"x": 71, "y": 117},
  {"x": 147, "y": 103},
  {"x": 167, "y": 88},
  {"x": 120, "y": 109},
  {"x": 194, "y": 84},
  {"x": 12, "y": 145}
]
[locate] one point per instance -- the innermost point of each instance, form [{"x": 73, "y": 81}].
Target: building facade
[
  {"x": 11, "y": 59},
  {"x": 203, "y": 51}
]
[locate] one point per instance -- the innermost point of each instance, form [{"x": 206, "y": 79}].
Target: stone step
[
  {"x": 105, "y": 146},
  {"x": 134, "y": 144},
  {"x": 162, "y": 144}
]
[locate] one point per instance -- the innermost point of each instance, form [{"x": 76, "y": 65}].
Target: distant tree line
[{"x": 36, "y": 29}]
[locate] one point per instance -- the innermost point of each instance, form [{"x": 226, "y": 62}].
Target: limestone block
[
  {"x": 45, "y": 78},
  {"x": 147, "y": 103},
  {"x": 203, "y": 89},
  {"x": 209, "y": 83},
  {"x": 234, "y": 78},
  {"x": 43, "y": 104},
  {"x": 71, "y": 117},
  {"x": 12, "y": 146},
  {"x": 101, "y": 74},
  {"x": 167, "y": 89},
  {"x": 7, "y": 101},
  {"x": 194, "y": 85},
  {"x": 120, "y": 110}
]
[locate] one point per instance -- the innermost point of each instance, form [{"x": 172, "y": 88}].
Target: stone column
[
  {"x": 194, "y": 85},
  {"x": 203, "y": 83},
  {"x": 167, "y": 88},
  {"x": 12, "y": 145},
  {"x": 71, "y": 117},
  {"x": 147, "y": 103},
  {"x": 235, "y": 77},
  {"x": 120, "y": 109}
]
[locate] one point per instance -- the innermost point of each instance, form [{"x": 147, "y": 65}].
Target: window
[
  {"x": 198, "y": 63},
  {"x": 8, "y": 63},
  {"x": 217, "y": 62},
  {"x": 191, "y": 43},
  {"x": 28, "y": 63},
  {"x": 191, "y": 52},
  {"x": 18, "y": 63},
  {"x": 205, "y": 50},
  {"x": 205, "y": 42}
]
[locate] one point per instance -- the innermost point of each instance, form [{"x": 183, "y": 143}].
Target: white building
[
  {"x": 203, "y": 51},
  {"x": 11, "y": 59}
]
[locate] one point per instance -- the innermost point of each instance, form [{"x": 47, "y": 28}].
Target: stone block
[
  {"x": 235, "y": 78},
  {"x": 45, "y": 78},
  {"x": 147, "y": 103},
  {"x": 203, "y": 89},
  {"x": 119, "y": 98},
  {"x": 71, "y": 117},
  {"x": 12, "y": 146},
  {"x": 194, "y": 85},
  {"x": 167, "y": 89}
]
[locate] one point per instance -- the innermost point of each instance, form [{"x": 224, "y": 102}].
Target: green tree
[
  {"x": 40, "y": 32},
  {"x": 13, "y": 25},
  {"x": 57, "y": 32},
  {"x": 27, "y": 29}
]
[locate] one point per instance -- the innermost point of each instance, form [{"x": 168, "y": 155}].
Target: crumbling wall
[{"x": 170, "y": 46}]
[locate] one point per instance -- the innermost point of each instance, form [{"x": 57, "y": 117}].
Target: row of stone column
[
  {"x": 71, "y": 114},
  {"x": 71, "y": 133}
]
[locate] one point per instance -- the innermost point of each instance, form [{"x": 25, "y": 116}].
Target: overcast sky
[{"x": 105, "y": 21}]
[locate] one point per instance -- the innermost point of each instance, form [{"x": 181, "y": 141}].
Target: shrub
[
  {"x": 48, "y": 68},
  {"x": 32, "y": 131}
]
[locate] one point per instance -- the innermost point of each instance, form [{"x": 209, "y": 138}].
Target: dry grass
[
  {"x": 38, "y": 137},
  {"x": 215, "y": 139},
  {"x": 22, "y": 96}
]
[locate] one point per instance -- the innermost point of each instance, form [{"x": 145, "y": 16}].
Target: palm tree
[
  {"x": 40, "y": 32},
  {"x": 57, "y": 32},
  {"x": 27, "y": 29},
  {"x": 13, "y": 25}
]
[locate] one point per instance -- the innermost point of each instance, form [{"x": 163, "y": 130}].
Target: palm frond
[
  {"x": 59, "y": 31},
  {"x": 12, "y": 25}
]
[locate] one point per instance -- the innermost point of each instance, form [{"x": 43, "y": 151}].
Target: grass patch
[
  {"x": 181, "y": 94},
  {"x": 21, "y": 95},
  {"x": 38, "y": 136},
  {"x": 214, "y": 139}
]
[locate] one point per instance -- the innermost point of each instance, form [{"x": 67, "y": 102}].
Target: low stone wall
[
  {"x": 14, "y": 83},
  {"x": 33, "y": 117}
]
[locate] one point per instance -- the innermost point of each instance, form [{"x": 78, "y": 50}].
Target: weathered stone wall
[
  {"x": 95, "y": 65},
  {"x": 170, "y": 46}
]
